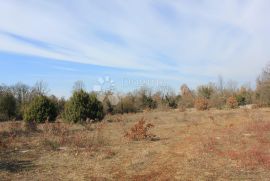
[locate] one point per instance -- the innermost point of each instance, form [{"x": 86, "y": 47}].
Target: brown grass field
[{"x": 190, "y": 145}]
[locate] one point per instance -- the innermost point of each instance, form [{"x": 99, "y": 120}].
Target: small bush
[
  {"x": 201, "y": 104},
  {"x": 263, "y": 88},
  {"x": 83, "y": 106},
  {"x": 232, "y": 102},
  {"x": 40, "y": 110},
  {"x": 140, "y": 131}
]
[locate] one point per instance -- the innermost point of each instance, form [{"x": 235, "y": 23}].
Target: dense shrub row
[{"x": 32, "y": 105}]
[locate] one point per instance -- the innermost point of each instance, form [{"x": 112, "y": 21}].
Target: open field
[{"x": 191, "y": 145}]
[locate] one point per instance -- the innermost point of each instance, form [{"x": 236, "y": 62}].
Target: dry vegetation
[{"x": 192, "y": 145}]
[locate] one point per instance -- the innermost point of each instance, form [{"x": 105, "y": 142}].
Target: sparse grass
[
  {"x": 248, "y": 143},
  {"x": 193, "y": 145}
]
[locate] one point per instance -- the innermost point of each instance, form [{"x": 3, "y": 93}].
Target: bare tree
[
  {"x": 220, "y": 84},
  {"x": 40, "y": 88},
  {"x": 263, "y": 86},
  {"x": 187, "y": 99},
  {"x": 185, "y": 91},
  {"x": 78, "y": 86},
  {"x": 232, "y": 86},
  {"x": 21, "y": 92}
]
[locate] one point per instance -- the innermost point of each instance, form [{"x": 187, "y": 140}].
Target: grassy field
[{"x": 190, "y": 145}]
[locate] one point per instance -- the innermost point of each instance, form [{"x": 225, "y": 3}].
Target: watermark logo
[
  {"x": 104, "y": 84},
  {"x": 105, "y": 88}
]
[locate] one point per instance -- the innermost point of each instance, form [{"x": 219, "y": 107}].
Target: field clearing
[{"x": 191, "y": 145}]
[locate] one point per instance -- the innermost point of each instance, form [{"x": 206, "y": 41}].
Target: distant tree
[
  {"x": 172, "y": 101},
  {"x": 220, "y": 84},
  {"x": 40, "y": 88},
  {"x": 217, "y": 100},
  {"x": 187, "y": 97},
  {"x": 4, "y": 89},
  {"x": 231, "y": 87},
  {"x": 263, "y": 86},
  {"x": 107, "y": 106},
  {"x": 7, "y": 106},
  {"x": 159, "y": 97},
  {"x": 21, "y": 92},
  {"x": 109, "y": 101},
  {"x": 146, "y": 100},
  {"x": 244, "y": 96},
  {"x": 185, "y": 91},
  {"x": 127, "y": 104},
  {"x": 78, "y": 86},
  {"x": 206, "y": 91}
]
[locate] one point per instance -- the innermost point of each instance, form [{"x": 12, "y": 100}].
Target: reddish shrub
[
  {"x": 232, "y": 102},
  {"x": 140, "y": 131},
  {"x": 201, "y": 104}
]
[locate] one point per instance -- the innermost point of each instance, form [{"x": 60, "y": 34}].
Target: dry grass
[{"x": 193, "y": 145}]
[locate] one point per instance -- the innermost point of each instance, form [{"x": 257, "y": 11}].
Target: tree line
[{"x": 34, "y": 104}]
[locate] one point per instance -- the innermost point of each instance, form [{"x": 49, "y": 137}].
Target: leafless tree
[
  {"x": 40, "y": 88},
  {"x": 78, "y": 85}
]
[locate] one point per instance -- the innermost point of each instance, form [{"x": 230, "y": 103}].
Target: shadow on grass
[{"x": 15, "y": 165}]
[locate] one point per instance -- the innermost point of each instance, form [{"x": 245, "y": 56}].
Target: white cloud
[{"x": 196, "y": 37}]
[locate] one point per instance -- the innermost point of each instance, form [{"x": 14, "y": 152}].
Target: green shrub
[
  {"x": 148, "y": 102},
  {"x": 59, "y": 104},
  {"x": 241, "y": 100},
  {"x": 82, "y": 106},
  {"x": 171, "y": 101},
  {"x": 244, "y": 96},
  {"x": 7, "y": 106},
  {"x": 205, "y": 91},
  {"x": 40, "y": 109}
]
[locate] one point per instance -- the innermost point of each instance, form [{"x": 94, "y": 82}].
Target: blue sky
[{"x": 185, "y": 41}]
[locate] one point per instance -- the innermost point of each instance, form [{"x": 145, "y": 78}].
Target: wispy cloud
[{"x": 194, "y": 37}]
